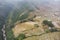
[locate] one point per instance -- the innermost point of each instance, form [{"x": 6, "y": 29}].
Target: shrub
[
  {"x": 47, "y": 30},
  {"x": 36, "y": 25},
  {"x": 53, "y": 30}
]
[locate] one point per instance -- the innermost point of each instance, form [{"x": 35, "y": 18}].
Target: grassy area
[{"x": 49, "y": 36}]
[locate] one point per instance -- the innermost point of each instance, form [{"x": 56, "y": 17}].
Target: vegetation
[
  {"x": 36, "y": 25},
  {"x": 51, "y": 27},
  {"x": 47, "y": 31},
  {"x": 21, "y": 37},
  {"x": 46, "y": 36},
  {"x": 15, "y": 15},
  {"x": 22, "y": 15},
  {"x": 49, "y": 23}
]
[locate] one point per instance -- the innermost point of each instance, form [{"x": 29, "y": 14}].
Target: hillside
[
  {"x": 35, "y": 30},
  {"x": 30, "y": 19}
]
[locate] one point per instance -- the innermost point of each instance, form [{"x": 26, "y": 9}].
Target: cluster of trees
[{"x": 50, "y": 25}]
